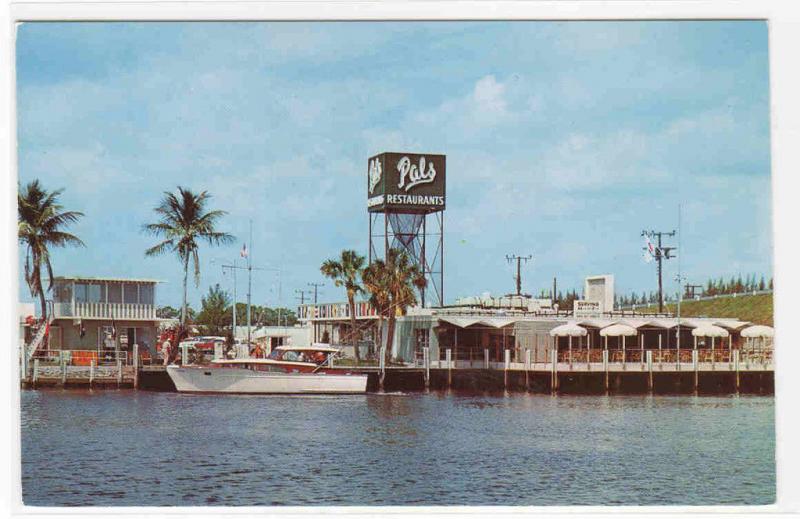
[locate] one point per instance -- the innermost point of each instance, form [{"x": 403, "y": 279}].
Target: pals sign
[{"x": 411, "y": 182}]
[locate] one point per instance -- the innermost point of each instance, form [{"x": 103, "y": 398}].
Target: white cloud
[
  {"x": 489, "y": 99},
  {"x": 490, "y": 103}
]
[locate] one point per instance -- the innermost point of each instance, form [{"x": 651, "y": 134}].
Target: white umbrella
[
  {"x": 758, "y": 331},
  {"x": 617, "y": 330},
  {"x": 568, "y": 330},
  {"x": 709, "y": 330}
]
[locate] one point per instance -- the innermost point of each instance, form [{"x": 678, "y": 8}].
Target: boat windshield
[{"x": 317, "y": 357}]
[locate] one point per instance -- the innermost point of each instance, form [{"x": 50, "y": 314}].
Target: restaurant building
[{"x": 481, "y": 329}]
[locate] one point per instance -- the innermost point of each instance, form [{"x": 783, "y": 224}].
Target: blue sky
[{"x": 563, "y": 140}]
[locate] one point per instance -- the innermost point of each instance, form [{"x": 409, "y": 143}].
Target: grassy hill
[{"x": 754, "y": 308}]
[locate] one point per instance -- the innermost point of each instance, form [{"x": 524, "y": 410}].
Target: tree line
[
  {"x": 736, "y": 285},
  {"x": 216, "y": 314},
  {"x": 712, "y": 287}
]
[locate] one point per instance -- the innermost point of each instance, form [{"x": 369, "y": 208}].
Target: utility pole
[
  {"x": 301, "y": 295},
  {"x": 659, "y": 253},
  {"x": 553, "y": 294},
  {"x": 691, "y": 288},
  {"x": 316, "y": 286},
  {"x": 519, "y": 260}
]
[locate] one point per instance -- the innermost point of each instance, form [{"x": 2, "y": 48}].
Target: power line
[
  {"x": 519, "y": 260},
  {"x": 660, "y": 253}
]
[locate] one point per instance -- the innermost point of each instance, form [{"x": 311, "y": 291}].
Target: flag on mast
[
  {"x": 244, "y": 250},
  {"x": 649, "y": 249},
  {"x": 113, "y": 327}
]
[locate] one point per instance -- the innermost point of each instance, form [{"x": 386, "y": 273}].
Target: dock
[{"x": 582, "y": 372}]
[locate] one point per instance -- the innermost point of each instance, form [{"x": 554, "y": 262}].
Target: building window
[
  {"x": 62, "y": 292},
  {"x": 146, "y": 294},
  {"x": 114, "y": 293},
  {"x": 88, "y": 292},
  {"x": 131, "y": 294}
]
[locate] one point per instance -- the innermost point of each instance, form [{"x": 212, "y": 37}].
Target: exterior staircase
[{"x": 38, "y": 339}]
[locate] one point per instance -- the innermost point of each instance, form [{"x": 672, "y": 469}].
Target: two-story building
[{"x": 86, "y": 311}]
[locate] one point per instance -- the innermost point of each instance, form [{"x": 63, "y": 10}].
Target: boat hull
[{"x": 195, "y": 379}]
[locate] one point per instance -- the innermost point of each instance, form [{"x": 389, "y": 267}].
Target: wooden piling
[
  {"x": 736, "y": 367},
  {"x": 24, "y": 365},
  {"x": 119, "y": 371},
  {"x": 554, "y": 377},
  {"x": 136, "y": 366},
  {"x": 605, "y": 366},
  {"x": 448, "y": 358},
  {"x": 63, "y": 369},
  {"x": 91, "y": 372},
  {"x": 506, "y": 365},
  {"x": 426, "y": 359},
  {"x": 696, "y": 370},
  {"x": 527, "y": 369},
  {"x": 650, "y": 370},
  {"x": 485, "y": 358},
  {"x": 36, "y": 371}
]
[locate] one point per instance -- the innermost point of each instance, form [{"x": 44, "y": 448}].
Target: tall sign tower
[{"x": 403, "y": 191}]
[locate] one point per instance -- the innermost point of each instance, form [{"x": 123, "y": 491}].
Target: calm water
[{"x": 141, "y": 448}]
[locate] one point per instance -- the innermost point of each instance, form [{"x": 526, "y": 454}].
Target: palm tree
[
  {"x": 183, "y": 221},
  {"x": 40, "y": 224},
  {"x": 391, "y": 285},
  {"x": 345, "y": 273}
]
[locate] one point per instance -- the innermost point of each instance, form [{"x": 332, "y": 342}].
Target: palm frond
[{"x": 160, "y": 248}]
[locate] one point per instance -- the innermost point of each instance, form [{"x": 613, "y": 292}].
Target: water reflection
[{"x": 442, "y": 448}]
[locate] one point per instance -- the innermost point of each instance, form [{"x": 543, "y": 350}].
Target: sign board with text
[
  {"x": 406, "y": 182},
  {"x": 586, "y": 308}
]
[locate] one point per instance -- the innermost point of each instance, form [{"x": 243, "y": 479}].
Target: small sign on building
[{"x": 582, "y": 308}]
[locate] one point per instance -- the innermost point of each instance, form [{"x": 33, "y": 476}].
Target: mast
[
  {"x": 680, "y": 280},
  {"x": 234, "y": 300},
  {"x": 249, "y": 282}
]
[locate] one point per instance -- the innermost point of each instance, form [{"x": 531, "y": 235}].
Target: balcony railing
[{"x": 121, "y": 311}]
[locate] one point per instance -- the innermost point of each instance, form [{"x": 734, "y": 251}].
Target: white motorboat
[{"x": 262, "y": 376}]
